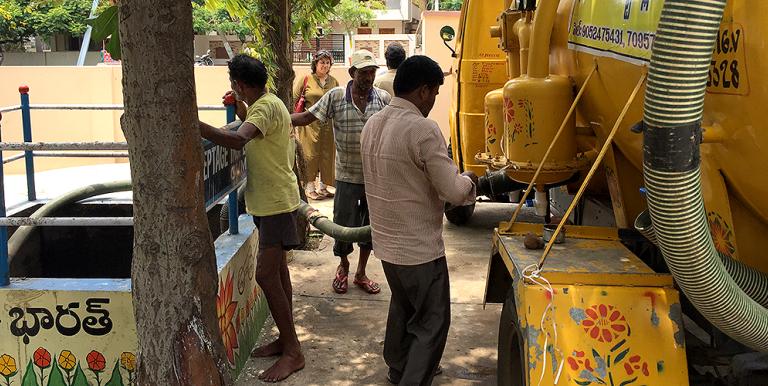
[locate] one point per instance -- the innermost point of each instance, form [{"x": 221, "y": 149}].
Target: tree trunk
[
  {"x": 174, "y": 275},
  {"x": 280, "y": 38},
  {"x": 279, "y": 15}
]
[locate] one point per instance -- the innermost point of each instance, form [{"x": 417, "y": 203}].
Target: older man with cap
[{"x": 350, "y": 107}]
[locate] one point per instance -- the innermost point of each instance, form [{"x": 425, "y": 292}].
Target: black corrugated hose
[
  {"x": 328, "y": 227},
  {"x": 674, "y": 103}
]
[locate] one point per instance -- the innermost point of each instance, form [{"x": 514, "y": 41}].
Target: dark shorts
[
  {"x": 350, "y": 209},
  {"x": 279, "y": 229}
]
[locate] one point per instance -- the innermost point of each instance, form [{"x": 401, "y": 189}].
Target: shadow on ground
[{"x": 342, "y": 335}]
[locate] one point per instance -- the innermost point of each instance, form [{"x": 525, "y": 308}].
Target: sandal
[
  {"x": 368, "y": 285},
  {"x": 312, "y": 195},
  {"x": 325, "y": 193},
  {"x": 341, "y": 282}
]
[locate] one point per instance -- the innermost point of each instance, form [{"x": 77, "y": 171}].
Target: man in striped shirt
[
  {"x": 350, "y": 107},
  {"x": 408, "y": 179}
]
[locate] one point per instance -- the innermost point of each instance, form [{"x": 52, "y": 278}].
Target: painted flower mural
[
  {"x": 604, "y": 323},
  {"x": 42, "y": 359},
  {"x": 491, "y": 132},
  {"x": 96, "y": 363},
  {"x": 67, "y": 362},
  {"x": 509, "y": 110},
  {"x": 128, "y": 362},
  {"x": 8, "y": 368},
  {"x": 722, "y": 234},
  {"x": 610, "y": 361},
  {"x": 527, "y": 107},
  {"x": 636, "y": 364},
  {"x": 225, "y": 310}
]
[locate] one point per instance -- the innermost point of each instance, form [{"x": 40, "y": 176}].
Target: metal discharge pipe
[
  {"x": 674, "y": 103},
  {"x": 498, "y": 182}
]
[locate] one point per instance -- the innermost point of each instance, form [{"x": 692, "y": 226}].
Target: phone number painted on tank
[
  {"x": 728, "y": 69},
  {"x": 635, "y": 39},
  {"x": 598, "y": 33},
  {"x": 621, "y": 29}
]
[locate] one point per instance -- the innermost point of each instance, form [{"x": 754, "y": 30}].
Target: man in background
[
  {"x": 395, "y": 55},
  {"x": 349, "y": 107}
]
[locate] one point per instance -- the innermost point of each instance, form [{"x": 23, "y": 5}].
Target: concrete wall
[
  {"x": 377, "y": 44},
  {"x": 58, "y": 58},
  {"x": 102, "y": 85},
  {"x": 83, "y": 85},
  {"x": 432, "y": 46}
]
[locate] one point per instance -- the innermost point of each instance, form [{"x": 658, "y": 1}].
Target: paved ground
[{"x": 342, "y": 335}]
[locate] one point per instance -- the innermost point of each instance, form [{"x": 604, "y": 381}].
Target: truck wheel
[
  {"x": 510, "y": 370},
  {"x": 460, "y": 215}
]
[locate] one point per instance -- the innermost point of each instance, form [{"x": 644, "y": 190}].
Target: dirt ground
[{"x": 342, "y": 335}]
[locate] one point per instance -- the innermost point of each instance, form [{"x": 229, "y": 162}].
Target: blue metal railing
[
  {"x": 28, "y": 147},
  {"x": 234, "y": 211},
  {"x": 5, "y": 277},
  {"x": 29, "y": 158}
]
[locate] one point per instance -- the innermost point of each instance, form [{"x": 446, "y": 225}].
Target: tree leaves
[
  {"x": 23, "y": 19},
  {"x": 353, "y": 13},
  {"x": 104, "y": 25}
]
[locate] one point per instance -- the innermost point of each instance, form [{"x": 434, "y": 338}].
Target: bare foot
[
  {"x": 283, "y": 368},
  {"x": 268, "y": 350}
]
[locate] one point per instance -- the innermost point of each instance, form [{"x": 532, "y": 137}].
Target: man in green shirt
[{"x": 271, "y": 197}]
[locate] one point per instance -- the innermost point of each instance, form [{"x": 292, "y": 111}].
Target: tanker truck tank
[{"x": 693, "y": 289}]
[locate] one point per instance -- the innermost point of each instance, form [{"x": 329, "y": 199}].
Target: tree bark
[
  {"x": 173, "y": 274},
  {"x": 279, "y": 15}
]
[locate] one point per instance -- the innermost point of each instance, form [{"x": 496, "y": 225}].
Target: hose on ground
[
  {"x": 674, "y": 103},
  {"x": 16, "y": 241},
  {"x": 318, "y": 220},
  {"x": 336, "y": 231}
]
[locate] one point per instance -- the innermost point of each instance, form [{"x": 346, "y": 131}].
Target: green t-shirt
[{"x": 271, "y": 187}]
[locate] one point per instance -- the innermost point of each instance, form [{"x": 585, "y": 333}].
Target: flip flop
[
  {"x": 341, "y": 282},
  {"x": 325, "y": 193},
  {"x": 313, "y": 195},
  {"x": 368, "y": 285}
]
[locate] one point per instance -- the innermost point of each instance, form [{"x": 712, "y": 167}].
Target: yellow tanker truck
[{"x": 636, "y": 128}]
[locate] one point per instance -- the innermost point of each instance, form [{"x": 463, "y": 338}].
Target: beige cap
[{"x": 363, "y": 59}]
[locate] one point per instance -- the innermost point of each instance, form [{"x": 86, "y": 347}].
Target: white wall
[{"x": 60, "y": 58}]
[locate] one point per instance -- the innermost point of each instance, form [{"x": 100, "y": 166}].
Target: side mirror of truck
[{"x": 447, "y": 33}]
